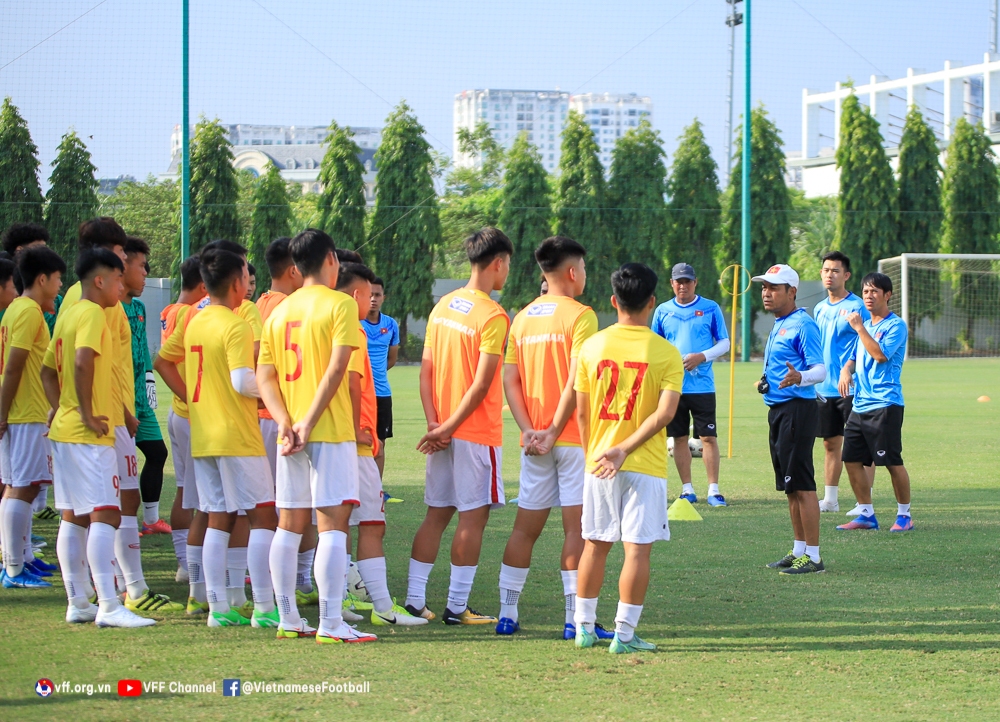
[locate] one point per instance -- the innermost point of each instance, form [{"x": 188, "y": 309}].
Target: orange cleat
[{"x": 158, "y": 527}]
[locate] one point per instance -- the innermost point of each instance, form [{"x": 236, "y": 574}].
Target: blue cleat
[
  {"x": 603, "y": 633},
  {"x": 717, "y": 500},
  {"x": 860, "y": 522},
  {"x": 903, "y": 523},
  {"x": 44, "y": 566},
  {"x": 569, "y": 631},
  {"x": 633, "y": 645},
  {"x": 24, "y": 580},
  {"x": 37, "y": 570},
  {"x": 693, "y": 498},
  {"x": 506, "y": 625},
  {"x": 38, "y": 541}
]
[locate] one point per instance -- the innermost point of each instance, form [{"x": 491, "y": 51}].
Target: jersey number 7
[{"x": 609, "y": 397}]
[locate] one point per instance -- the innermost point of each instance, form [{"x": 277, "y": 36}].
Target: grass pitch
[{"x": 900, "y": 627}]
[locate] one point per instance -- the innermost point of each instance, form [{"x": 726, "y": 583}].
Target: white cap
[{"x": 780, "y": 273}]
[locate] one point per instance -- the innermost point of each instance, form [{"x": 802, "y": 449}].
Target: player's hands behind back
[{"x": 609, "y": 463}]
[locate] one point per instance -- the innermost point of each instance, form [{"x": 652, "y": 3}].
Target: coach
[{"x": 793, "y": 363}]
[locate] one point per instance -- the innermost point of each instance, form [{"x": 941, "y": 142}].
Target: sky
[{"x": 114, "y": 74}]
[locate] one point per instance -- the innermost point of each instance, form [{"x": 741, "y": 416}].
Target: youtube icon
[{"x": 129, "y": 688}]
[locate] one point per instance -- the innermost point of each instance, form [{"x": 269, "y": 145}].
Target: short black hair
[
  {"x": 221, "y": 244},
  {"x": 486, "y": 244},
  {"x": 218, "y": 268},
  {"x": 134, "y": 244},
  {"x": 100, "y": 232},
  {"x": 91, "y": 260},
  {"x": 877, "y": 280},
  {"x": 7, "y": 269},
  {"x": 190, "y": 273},
  {"x": 379, "y": 282},
  {"x": 309, "y": 249},
  {"x": 21, "y": 234},
  {"x": 346, "y": 256},
  {"x": 556, "y": 250},
  {"x": 38, "y": 261},
  {"x": 633, "y": 285},
  {"x": 350, "y": 272},
  {"x": 251, "y": 269},
  {"x": 839, "y": 257},
  {"x": 277, "y": 257}
]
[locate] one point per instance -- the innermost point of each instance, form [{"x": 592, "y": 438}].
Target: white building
[
  {"x": 542, "y": 114},
  {"x": 943, "y": 96}
]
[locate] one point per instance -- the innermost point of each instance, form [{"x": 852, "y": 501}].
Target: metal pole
[
  {"x": 745, "y": 255},
  {"x": 993, "y": 26},
  {"x": 185, "y": 139},
  {"x": 729, "y": 98},
  {"x": 732, "y": 360},
  {"x": 904, "y": 294}
]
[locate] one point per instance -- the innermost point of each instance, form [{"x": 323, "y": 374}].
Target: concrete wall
[{"x": 156, "y": 297}]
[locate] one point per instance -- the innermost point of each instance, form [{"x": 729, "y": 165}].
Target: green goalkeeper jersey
[{"x": 141, "y": 362}]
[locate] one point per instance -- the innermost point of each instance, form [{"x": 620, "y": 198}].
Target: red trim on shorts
[
  {"x": 101, "y": 508},
  {"x": 494, "y": 495},
  {"x": 371, "y": 523},
  {"x": 263, "y": 504},
  {"x": 39, "y": 483},
  {"x": 355, "y": 502}
]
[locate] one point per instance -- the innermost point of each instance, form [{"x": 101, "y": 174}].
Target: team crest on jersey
[
  {"x": 699, "y": 313},
  {"x": 383, "y": 330},
  {"x": 542, "y": 309},
  {"x": 843, "y": 312},
  {"x": 878, "y": 336},
  {"x": 461, "y": 305},
  {"x": 781, "y": 332}
]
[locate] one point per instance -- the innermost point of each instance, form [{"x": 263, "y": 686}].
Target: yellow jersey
[
  {"x": 84, "y": 325},
  {"x": 624, "y": 369},
  {"x": 298, "y": 340},
  {"x": 361, "y": 364},
  {"x": 249, "y": 312},
  {"x": 23, "y": 326}
]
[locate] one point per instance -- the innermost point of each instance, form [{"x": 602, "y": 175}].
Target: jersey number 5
[
  {"x": 609, "y": 397},
  {"x": 294, "y": 348}
]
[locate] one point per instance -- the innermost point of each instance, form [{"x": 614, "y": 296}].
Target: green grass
[{"x": 901, "y": 627}]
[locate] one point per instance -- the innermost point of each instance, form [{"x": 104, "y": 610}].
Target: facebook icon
[{"x": 230, "y": 688}]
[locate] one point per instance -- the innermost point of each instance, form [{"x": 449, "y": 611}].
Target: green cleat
[
  {"x": 195, "y": 607},
  {"x": 246, "y": 610},
  {"x": 227, "y": 619},
  {"x": 355, "y": 602},
  {"x": 633, "y": 645},
  {"x": 265, "y": 620},
  {"x": 305, "y": 599},
  {"x": 584, "y": 638}
]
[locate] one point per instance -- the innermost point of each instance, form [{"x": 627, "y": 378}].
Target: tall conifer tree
[
  {"x": 271, "y": 218},
  {"x": 342, "y": 203},
  {"x": 72, "y": 198},
  {"x": 20, "y": 194}
]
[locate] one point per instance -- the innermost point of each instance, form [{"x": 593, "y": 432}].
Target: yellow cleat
[
  {"x": 194, "y": 607},
  {"x": 468, "y": 616},
  {"x": 152, "y": 602},
  {"x": 304, "y": 599}
]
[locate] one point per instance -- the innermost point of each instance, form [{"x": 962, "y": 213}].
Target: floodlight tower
[
  {"x": 993, "y": 26},
  {"x": 733, "y": 19}
]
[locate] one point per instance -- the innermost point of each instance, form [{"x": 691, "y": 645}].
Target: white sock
[
  {"x": 867, "y": 509},
  {"x": 15, "y": 534},
  {"x": 284, "y": 547},
  {"x": 713, "y": 489},
  {"x": 214, "y": 553},
  {"x": 373, "y": 573},
  {"x": 331, "y": 569},
  {"x": 258, "y": 554},
  {"x": 626, "y": 620},
  {"x": 813, "y": 553},
  {"x": 236, "y": 576},
  {"x": 303, "y": 576},
  {"x": 460, "y": 587},
  {"x": 830, "y": 494},
  {"x": 903, "y": 509},
  {"x": 3, "y": 526},
  {"x": 150, "y": 512},
  {"x": 347, "y": 570},
  {"x": 180, "y": 539},
  {"x": 416, "y": 584},
  {"x": 71, "y": 550},
  {"x": 196, "y": 574},
  {"x": 130, "y": 557},
  {"x": 798, "y": 548},
  {"x": 512, "y": 581},
  {"x": 569, "y": 592},
  {"x": 586, "y": 613},
  {"x": 687, "y": 489},
  {"x": 101, "y": 553},
  {"x": 42, "y": 500},
  {"x": 29, "y": 552}
]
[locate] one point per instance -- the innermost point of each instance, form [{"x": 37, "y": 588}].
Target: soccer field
[{"x": 900, "y": 627}]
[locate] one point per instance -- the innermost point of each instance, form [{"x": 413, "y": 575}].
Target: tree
[
  {"x": 342, "y": 201},
  {"x": 271, "y": 218},
  {"x": 20, "y": 194},
  {"x": 971, "y": 196},
  {"x": 72, "y": 197},
  {"x": 405, "y": 230},
  {"x": 813, "y": 230},
  {"x": 866, "y": 218},
  {"x": 579, "y": 207},
  {"x": 526, "y": 219},
  {"x": 770, "y": 203},
  {"x": 694, "y": 210},
  {"x": 148, "y": 209}
]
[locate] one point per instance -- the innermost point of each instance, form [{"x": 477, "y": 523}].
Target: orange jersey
[
  {"x": 544, "y": 337},
  {"x": 463, "y": 325},
  {"x": 168, "y": 320},
  {"x": 267, "y": 302},
  {"x": 361, "y": 364},
  {"x": 173, "y": 348}
]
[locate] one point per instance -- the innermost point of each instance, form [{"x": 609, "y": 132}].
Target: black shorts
[
  {"x": 875, "y": 436},
  {"x": 833, "y": 416},
  {"x": 701, "y": 408},
  {"x": 793, "y": 434},
  {"x": 384, "y": 423}
]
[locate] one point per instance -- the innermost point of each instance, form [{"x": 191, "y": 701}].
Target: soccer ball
[
  {"x": 355, "y": 584},
  {"x": 670, "y": 445},
  {"x": 695, "y": 446}
]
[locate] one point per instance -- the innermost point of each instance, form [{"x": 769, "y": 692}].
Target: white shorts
[
  {"x": 465, "y": 475},
  {"x": 372, "y": 507},
  {"x": 128, "y": 464},
  {"x": 179, "y": 431},
  {"x": 85, "y": 477},
  {"x": 553, "y": 479},
  {"x": 632, "y": 508},
  {"x": 269, "y": 430},
  {"x": 25, "y": 455},
  {"x": 233, "y": 483},
  {"x": 321, "y": 475}
]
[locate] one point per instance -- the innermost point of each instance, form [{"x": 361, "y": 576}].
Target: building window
[{"x": 290, "y": 163}]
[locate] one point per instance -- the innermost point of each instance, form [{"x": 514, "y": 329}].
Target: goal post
[{"x": 950, "y": 302}]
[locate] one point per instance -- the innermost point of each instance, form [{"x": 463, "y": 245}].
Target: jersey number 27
[{"x": 614, "y": 372}]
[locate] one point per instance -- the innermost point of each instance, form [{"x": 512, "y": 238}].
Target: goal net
[{"x": 951, "y": 303}]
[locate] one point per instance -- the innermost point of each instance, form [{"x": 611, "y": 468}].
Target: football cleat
[
  {"x": 265, "y": 620},
  {"x": 344, "y": 635},
  {"x": 903, "y": 523},
  {"x": 693, "y": 498},
  {"x": 825, "y": 505},
  {"x": 245, "y": 610},
  {"x": 356, "y": 602},
  {"x": 633, "y": 645},
  {"x": 715, "y": 500},
  {"x": 36, "y": 569},
  {"x": 157, "y": 527},
  {"x": 303, "y": 630},
  {"x": 397, "y": 616},
  {"x": 304, "y": 599},
  {"x": 349, "y": 615},
  {"x": 601, "y": 633},
  {"x": 466, "y": 616},
  {"x": 861, "y": 522},
  {"x": 24, "y": 580},
  {"x": 75, "y": 615},
  {"x": 152, "y": 602},
  {"x": 569, "y": 631},
  {"x": 584, "y": 638},
  {"x": 785, "y": 562},
  {"x": 506, "y": 625},
  {"x": 46, "y": 514},
  {"x": 232, "y": 618},
  {"x": 855, "y": 511},
  {"x": 195, "y": 607},
  {"x": 122, "y": 617},
  {"x": 182, "y": 577},
  {"x": 38, "y": 541},
  {"x": 424, "y": 612},
  {"x": 44, "y": 566},
  {"x": 804, "y": 565}
]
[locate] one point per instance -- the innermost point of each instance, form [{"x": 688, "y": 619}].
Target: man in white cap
[{"x": 793, "y": 364}]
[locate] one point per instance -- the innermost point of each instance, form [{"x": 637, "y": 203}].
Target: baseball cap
[
  {"x": 682, "y": 270},
  {"x": 780, "y": 273}
]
